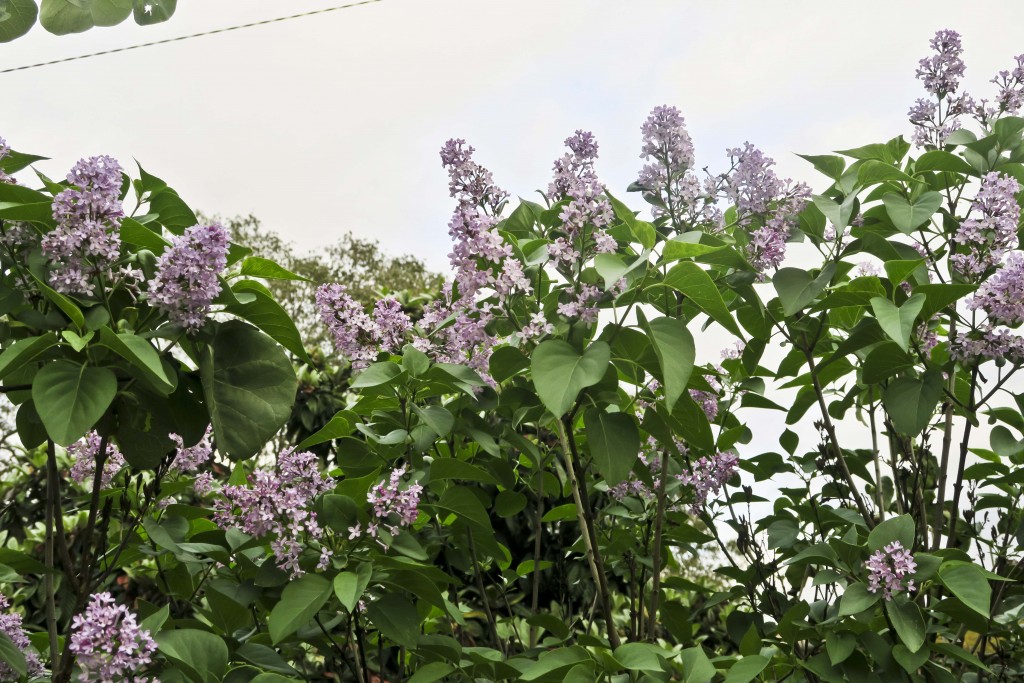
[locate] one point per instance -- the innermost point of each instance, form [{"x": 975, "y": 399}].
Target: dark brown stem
[
  {"x": 954, "y": 511},
  {"x": 478, "y": 576},
  {"x": 52, "y": 507},
  {"x": 538, "y": 536}
]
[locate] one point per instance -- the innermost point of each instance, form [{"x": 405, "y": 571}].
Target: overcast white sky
[{"x": 332, "y": 123}]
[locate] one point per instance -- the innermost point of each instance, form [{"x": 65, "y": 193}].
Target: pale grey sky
[{"x": 333, "y": 122}]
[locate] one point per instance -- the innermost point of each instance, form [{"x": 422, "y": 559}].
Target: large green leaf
[
  {"x": 396, "y": 618},
  {"x": 24, "y": 351},
  {"x": 249, "y": 385},
  {"x": 906, "y": 215},
  {"x": 560, "y": 373},
  {"x": 349, "y": 586},
  {"x": 145, "y": 418},
  {"x": 335, "y": 428},
  {"x": 941, "y": 160},
  {"x": 969, "y": 582},
  {"x": 797, "y": 288},
  {"x": 899, "y": 528},
  {"x": 748, "y": 668},
  {"x": 614, "y": 442},
  {"x": 898, "y": 321},
  {"x": 17, "y": 17},
  {"x": 697, "y": 668},
  {"x": 299, "y": 603},
  {"x": 910, "y": 401},
  {"x": 673, "y": 344},
  {"x": 908, "y": 621},
  {"x": 265, "y": 313},
  {"x": 64, "y": 303},
  {"x": 153, "y": 11},
  {"x": 254, "y": 266},
  {"x": 939, "y": 296},
  {"x": 71, "y": 398},
  {"x": 62, "y": 17},
  {"x": 202, "y": 655},
  {"x": 873, "y": 172},
  {"x": 693, "y": 282},
  {"x": 856, "y": 599},
  {"x": 109, "y": 12},
  {"x": 142, "y": 356}
]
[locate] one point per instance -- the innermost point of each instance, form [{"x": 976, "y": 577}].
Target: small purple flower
[
  {"x": 192, "y": 458},
  {"x": 981, "y": 242},
  {"x": 707, "y": 476},
  {"x": 889, "y": 567},
  {"x": 468, "y": 181},
  {"x": 941, "y": 73},
  {"x": 357, "y": 335},
  {"x": 11, "y": 626},
  {"x": 1011, "y": 88},
  {"x": 109, "y": 644},
  {"x": 668, "y": 148},
  {"x": 84, "y": 451},
  {"x": 186, "y": 279},
  {"x": 1002, "y": 295},
  {"x": 988, "y": 343},
  {"x": 572, "y": 167},
  {"x": 708, "y": 401}
]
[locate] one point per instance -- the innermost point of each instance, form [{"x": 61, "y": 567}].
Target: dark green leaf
[
  {"x": 396, "y": 618},
  {"x": 692, "y": 281},
  {"x": 202, "y": 655},
  {"x": 907, "y": 216},
  {"x": 908, "y": 621},
  {"x": 153, "y": 11},
  {"x": 748, "y": 668},
  {"x": 249, "y": 385},
  {"x": 614, "y": 442},
  {"x": 254, "y": 266},
  {"x": 898, "y": 321},
  {"x": 969, "y": 582},
  {"x": 797, "y": 289},
  {"x": 301, "y": 599},
  {"x": 560, "y": 373},
  {"x": 24, "y": 351},
  {"x": 71, "y": 398},
  {"x": 899, "y": 528},
  {"x": 142, "y": 356},
  {"x": 856, "y": 599},
  {"x": 11, "y": 654},
  {"x": 268, "y": 315},
  {"x": 674, "y": 346},
  {"x": 832, "y": 166},
  {"x": 940, "y": 160},
  {"x": 335, "y": 428},
  {"x": 62, "y": 17},
  {"x": 16, "y": 18},
  {"x": 910, "y": 401}
]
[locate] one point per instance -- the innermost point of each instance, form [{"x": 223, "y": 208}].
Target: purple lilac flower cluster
[
  {"x": 108, "y": 642},
  {"x": 987, "y": 344},
  {"x": 941, "y": 73},
  {"x": 707, "y": 476},
  {"x": 889, "y": 567},
  {"x": 472, "y": 227},
  {"x": 1002, "y": 295},
  {"x": 358, "y": 336},
  {"x": 84, "y": 451},
  {"x": 186, "y": 278},
  {"x": 1011, "y": 87},
  {"x": 669, "y": 149},
  {"x": 759, "y": 193},
  {"x": 278, "y": 502},
  {"x": 576, "y": 180},
  {"x": 395, "y": 505},
  {"x": 86, "y": 242},
  {"x": 192, "y": 458},
  {"x": 11, "y": 626},
  {"x": 987, "y": 239},
  {"x": 5, "y": 150}
]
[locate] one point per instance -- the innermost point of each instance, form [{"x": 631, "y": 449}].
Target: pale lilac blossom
[
  {"x": 395, "y": 503},
  {"x": 941, "y": 73},
  {"x": 192, "y": 458},
  {"x": 982, "y": 242},
  {"x": 277, "y": 502},
  {"x": 11, "y": 626},
  {"x": 707, "y": 476},
  {"x": 186, "y": 281},
  {"x": 85, "y": 451},
  {"x": 889, "y": 568},
  {"x": 109, "y": 645},
  {"x": 1002, "y": 295}
]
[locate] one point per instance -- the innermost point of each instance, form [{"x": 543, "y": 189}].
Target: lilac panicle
[
  {"x": 11, "y": 626},
  {"x": 395, "y": 504},
  {"x": 575, "y": 165},
  {"x": 192, "y": 458},
  {"x": 86, "y": 243},
  {"x": 108, "y": 643},
  {"x": 941, "y": 73},
  {"x": 888, "y": 568},
  {"x": 982, "y": 242},
  {"x": 357, "y": 335},
  {"x": 468, "y": 181},
  {"x": 988, "y": 343},
  {"x": 668, "y": 149},
  {"x": 186, "y": 279},
  {"x": 279, "y": 502},
  {"x": 84, "y": 451},
  {"x": 707, "y": 476},
  {"x": 1002, "y": 295},
  {"x": 759, "y": 193}
]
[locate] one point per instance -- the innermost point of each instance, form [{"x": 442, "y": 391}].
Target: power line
[{"x": 193, "y": 35}]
